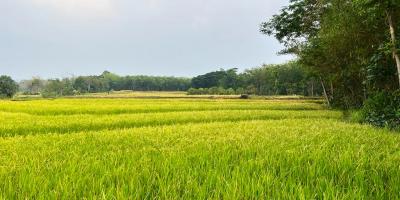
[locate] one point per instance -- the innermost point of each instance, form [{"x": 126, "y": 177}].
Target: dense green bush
[
  {"x": 215, "y": 91},
  {"x": 8, "y": 87},
  {"x": 382, "y": 109}
]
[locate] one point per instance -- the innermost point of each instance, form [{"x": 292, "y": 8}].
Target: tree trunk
[
  {"x": 325, "y": 94},
  {"x": 394, "y": 43},
  {"x": 312, "y": 88}
]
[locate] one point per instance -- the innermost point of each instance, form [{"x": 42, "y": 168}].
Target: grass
[{"x": 191, "y": 149}]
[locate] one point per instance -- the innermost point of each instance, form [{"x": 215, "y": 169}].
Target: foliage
[
  {"x": 379, "y": 76},
  {"x": 213, "y": 91},
  {"x": 336, "y": 40},
  {"x": 8, "y": 87},
  {"x": 350, "y": 46},
  {"x": 108, "y": 81},
  {"x": 105, "y": 82},
  {"x": 284, "y": 79},
  {"x": 383, "y": 109},
  {"x": 57, "y": 88},
  {"x": 295, "y": 24},
  {"x": 33, "y": 86},
  {"x": 221, "y": 78}
]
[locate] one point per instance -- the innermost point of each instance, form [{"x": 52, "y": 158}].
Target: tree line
[
  {"x": 105, "y": 82},
  {"x": 283, "y": 79},
  {"x": 352, "y": 47}
]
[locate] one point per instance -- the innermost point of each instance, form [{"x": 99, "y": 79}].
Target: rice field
[{"x": 191, "y": 149}]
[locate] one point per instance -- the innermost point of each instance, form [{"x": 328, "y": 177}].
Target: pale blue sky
[{"x": 59, "y": 38}]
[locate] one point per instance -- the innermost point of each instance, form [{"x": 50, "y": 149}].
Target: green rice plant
[
  {"x": 127, "y": 106},
  {"x": 23, "y": 124},
  {"x": 191, "y": 149},
  {"x": 290, "y": 158}
]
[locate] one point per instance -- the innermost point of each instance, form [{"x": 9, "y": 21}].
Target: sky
[{"x": 64, "y": 38}]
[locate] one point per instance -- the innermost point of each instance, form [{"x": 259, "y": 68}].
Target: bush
[
  {"x": 214, "y": 91},
  {"x": 230, "y": 91},
  {"x": 200, "y": 91},
  {"x": 192, "y": 91},
  {"x": 382, "y": 110},
  {"x": 240, "y": 91},
  {"x": 8, "y": 87}
]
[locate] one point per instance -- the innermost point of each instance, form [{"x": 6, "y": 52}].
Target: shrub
[
  {"x": 192, "y": 91},
  {"x": 230, "y": 91},
  {"x": 213, "y": 90},
  {"x": 240, "y": 91},
  {"x": 382, "y": 109}
]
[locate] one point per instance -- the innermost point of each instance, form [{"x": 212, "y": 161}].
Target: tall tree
[
  {"x": 8, "y": 87},
  {"x": 337, "y": 40},
  {"x": 391, "y": 10}
]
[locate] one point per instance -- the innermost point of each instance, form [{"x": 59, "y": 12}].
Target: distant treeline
[
  {"x": 284, "y": 79},
  {"x": 105, "y": 82}
]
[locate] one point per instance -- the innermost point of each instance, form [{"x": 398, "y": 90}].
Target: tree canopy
[
  {"x": 352, "y": 47},
  {"x": 347, "y": 43},
  {"x": 8, "y": 87}
]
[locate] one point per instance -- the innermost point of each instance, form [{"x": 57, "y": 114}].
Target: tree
[
  {"x": 8, "y": 87},
  {"x": 211, "y": 79},
  {"x": 57, "y": 87},
  {"x": 336, "y": 40},
  {"x": 80, "y": 84},
  {"x": 36, "y": 85},
  {"x": 351, "y": 46},
  {"x": 296, "y": 23},
  {"x": 284, "y": 79},
  {"x": 388, "y": 9},
  {"x": 230, "y": 79}
]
